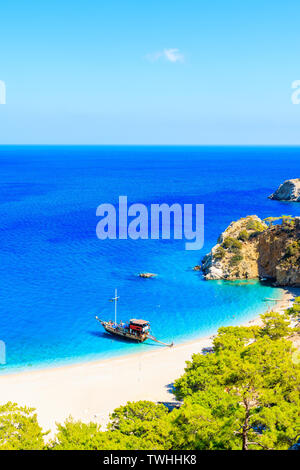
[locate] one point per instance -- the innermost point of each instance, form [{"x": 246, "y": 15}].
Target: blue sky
[{"x": 159, "y": 72}]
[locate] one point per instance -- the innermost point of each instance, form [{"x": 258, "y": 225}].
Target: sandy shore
[{"x": 90, "y": 391}]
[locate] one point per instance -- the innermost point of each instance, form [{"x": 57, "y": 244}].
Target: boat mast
[
  {"x": 116, "y": 306},
  {"x": 115, "y": 299}
]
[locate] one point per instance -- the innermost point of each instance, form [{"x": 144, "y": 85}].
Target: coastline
[{"x": 91, "y": 391}]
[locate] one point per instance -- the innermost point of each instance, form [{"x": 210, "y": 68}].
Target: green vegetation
[
  {"x": 291, "y": 258},
  {"x": 236, "y": 259},
  {"x": 255, "y": 226},
  {"x": 293, "y": 249},
  {"x": 75, "y": 435},
  {"x": 232, "y": 244},
  {"x": 269, "y": 220},
  {"x": 142, "y": 425},
  {"x": 244, "y": 395},
  {"x": 219, "y": 253},
  {"x": 146, "y": 421},
  {"x": 287, "y": 220},
  {"x": 294, "y": 311},
  {"x": 19, "y": 429},
  {"x": 276, "y": 325},
  {"x": 243, "y": 236}
]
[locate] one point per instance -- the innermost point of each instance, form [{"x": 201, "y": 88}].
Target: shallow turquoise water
[{"x": 56, "y": 275}]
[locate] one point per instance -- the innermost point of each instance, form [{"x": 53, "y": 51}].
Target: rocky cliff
[
  {"x": 251, "y": 248},
  {"x": 288, "y": 191}
]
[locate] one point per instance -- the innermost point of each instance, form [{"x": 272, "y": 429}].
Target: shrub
[
  {"x": 236, "y": 259},
  {"x": 19, "y": 428},
  {"x": 219, "y": 253},
  {"x": 293, "y": 249},
  {"x": 255, "y": 225},
  {"x": 232, "y": 244},
  {"x": 243, "y": 236}
]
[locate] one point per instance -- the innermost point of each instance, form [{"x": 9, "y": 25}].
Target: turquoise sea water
[{"x": 56, "y": 275}]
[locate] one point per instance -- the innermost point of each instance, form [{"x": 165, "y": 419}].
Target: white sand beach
[{"x": 90, "y": 391}]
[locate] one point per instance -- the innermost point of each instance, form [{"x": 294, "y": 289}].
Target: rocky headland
[
  {"x": 253, "y": 248},
  {"x": 288, "y": 191}
]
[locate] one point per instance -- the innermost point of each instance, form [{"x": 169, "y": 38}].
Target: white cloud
[
  {"x": 170, "y": 55},
  {"x": 173, "y": 55}
]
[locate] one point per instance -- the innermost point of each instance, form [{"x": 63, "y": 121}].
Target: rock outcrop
[
  {"x": 295, "y": 446},
  {"x": 198, "y": 267},
  {"x": 147, "y": 275},
  {"x": 249, "y": 249},
  {"x": 288, "y": 191}
]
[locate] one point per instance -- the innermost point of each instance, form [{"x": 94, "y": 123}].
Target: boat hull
[{"x": 121, "y": 332}]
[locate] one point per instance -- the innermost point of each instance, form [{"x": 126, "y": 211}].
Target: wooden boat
[{"x": 136, "y": 329}]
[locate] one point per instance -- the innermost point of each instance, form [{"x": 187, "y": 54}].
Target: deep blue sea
[{"x": 56, "y": 275}]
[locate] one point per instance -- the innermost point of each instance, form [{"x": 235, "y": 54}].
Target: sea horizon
[{"x": 155, "y": 145}]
